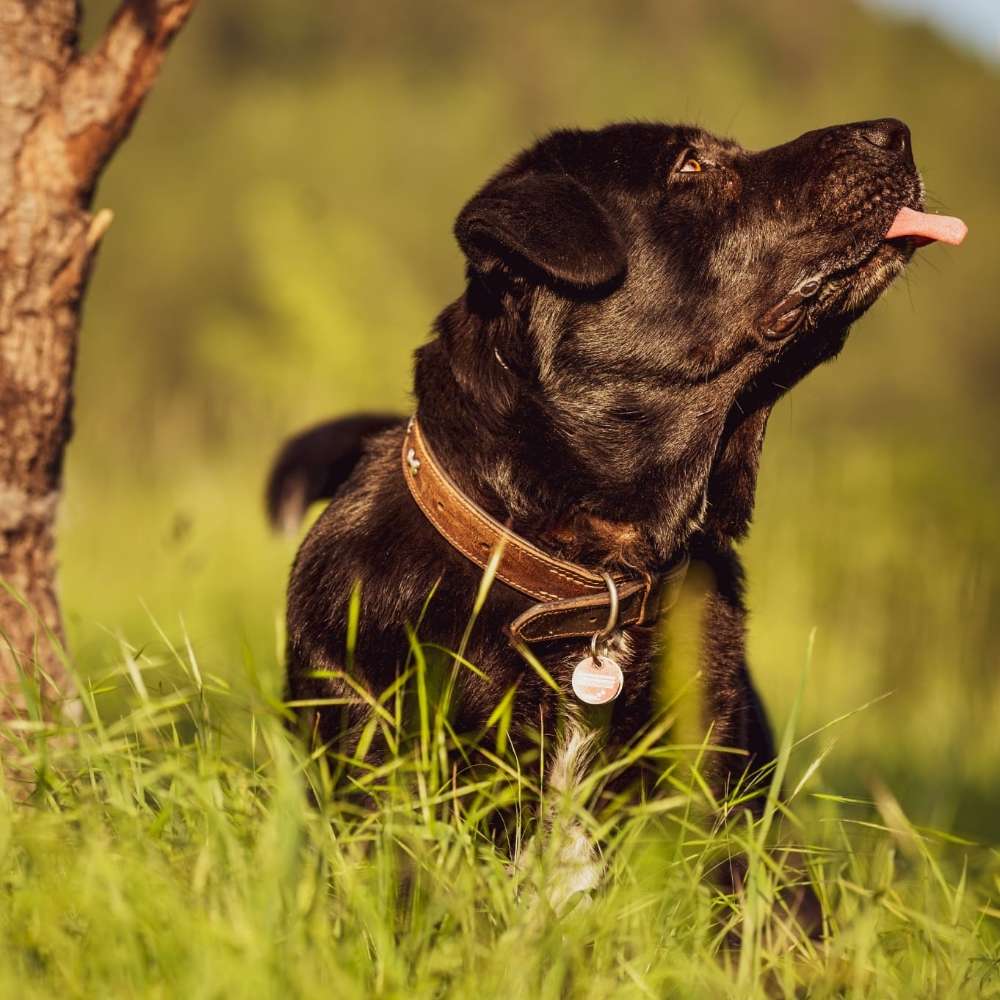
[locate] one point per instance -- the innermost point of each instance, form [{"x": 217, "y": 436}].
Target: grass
[
  {"x": 188, "y": 844},
  {"x": 175, "y": 850}
]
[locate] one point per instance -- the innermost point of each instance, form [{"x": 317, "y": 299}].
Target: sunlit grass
[
  {"x": 189, "y": 844},
  {"x": 282, "y": 244}
]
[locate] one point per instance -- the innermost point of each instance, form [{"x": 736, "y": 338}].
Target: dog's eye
[
  {"x": 689, "y": 163},
  {"x": 787, "y": 323}
]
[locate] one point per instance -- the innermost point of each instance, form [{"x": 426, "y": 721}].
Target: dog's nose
[{"x": 889, "y": 134}]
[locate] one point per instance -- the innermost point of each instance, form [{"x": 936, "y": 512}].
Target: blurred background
[{"x": 282, "y": 242}]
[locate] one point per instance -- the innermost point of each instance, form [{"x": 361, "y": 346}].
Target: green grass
[
  {"x": 176, "y": 851},
  {"x": 242, "y": 295},
  {"x": 189, "y": 845}
]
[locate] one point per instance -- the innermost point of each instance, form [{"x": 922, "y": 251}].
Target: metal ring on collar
[{"x": 606, "y": 632}]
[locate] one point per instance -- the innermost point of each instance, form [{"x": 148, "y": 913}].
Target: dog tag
[{"x": 597, "y": 680}]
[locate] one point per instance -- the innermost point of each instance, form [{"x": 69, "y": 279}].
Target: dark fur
[
  {"x": 313, "y": 465},
  {"x": 603, "y": 385}
]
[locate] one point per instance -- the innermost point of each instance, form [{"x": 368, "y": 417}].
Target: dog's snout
[{"x": 889, "y": 134}]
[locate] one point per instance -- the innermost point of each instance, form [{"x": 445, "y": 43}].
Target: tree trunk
[{"x": 62, "y": 114}]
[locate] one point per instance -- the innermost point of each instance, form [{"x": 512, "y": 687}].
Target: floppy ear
[
  {"x": 542, "y": 222},
  {"x": 732, "y": 485}
]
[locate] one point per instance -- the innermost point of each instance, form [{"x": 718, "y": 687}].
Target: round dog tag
[{"x": 597, "y": 680}]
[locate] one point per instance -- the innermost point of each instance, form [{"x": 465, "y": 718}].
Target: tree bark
[{"x": 62, "y": 115}]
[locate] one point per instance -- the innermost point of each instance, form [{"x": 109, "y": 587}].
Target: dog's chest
[
  {"x": 621, "y": 671},
  {"x": 598, "y": 541}
]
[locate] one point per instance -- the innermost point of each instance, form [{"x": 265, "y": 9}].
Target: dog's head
[{"x": 649, "y": 291}]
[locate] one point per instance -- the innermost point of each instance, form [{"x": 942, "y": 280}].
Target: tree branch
[{"x": 105, "y": 87}]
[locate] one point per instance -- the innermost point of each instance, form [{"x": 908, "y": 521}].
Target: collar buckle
[{"x": 570, "y": 597}]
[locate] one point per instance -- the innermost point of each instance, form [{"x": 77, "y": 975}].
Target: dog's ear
[
  {"x": 544, "y": 223},
  {"x": 732, "y": 485}
]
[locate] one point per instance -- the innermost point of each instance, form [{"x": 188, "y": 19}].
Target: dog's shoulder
[{"x": 372, "y": 535}]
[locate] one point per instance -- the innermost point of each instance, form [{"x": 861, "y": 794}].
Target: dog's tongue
[{"x": 927, "y": 228}]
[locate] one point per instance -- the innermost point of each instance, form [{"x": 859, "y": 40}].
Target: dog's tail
[{"x": 313, "y": 465}]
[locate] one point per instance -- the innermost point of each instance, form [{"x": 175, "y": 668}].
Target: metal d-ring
[{"x": 608, "y": 630}]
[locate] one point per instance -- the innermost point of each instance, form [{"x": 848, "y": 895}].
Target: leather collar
[{"x": 572, "y": 600}]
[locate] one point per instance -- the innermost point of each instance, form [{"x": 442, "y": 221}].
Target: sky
[{"x": 973, "y": 22}]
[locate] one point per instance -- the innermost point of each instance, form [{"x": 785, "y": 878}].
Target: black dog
[{"x": 638, "y": 298}]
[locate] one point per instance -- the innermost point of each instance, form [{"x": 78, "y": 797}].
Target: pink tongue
[{"x": 927, "y": 228}]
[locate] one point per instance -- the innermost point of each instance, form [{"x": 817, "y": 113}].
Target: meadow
[
  {"x": 281, "y": 244},
  {"x": 185, "y": 843}
]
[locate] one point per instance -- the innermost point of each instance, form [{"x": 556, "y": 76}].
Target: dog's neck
[{"x": 499, "y": 447}]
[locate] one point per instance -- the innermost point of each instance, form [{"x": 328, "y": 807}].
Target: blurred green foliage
[{"x": 282, "y": 243}]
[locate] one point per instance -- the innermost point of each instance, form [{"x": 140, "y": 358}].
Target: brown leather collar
[{"x": 572, "y": 599}]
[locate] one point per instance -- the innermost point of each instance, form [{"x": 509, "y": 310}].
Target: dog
[{"x": 589, "y": 421}]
